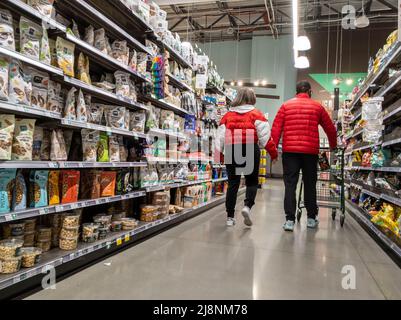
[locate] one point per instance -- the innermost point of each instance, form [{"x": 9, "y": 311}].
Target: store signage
[{"x": 399, "y": 20}]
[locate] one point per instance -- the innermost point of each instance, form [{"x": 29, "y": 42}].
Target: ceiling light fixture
[
  {"x": 295, "y": 26},
  {"x": 302, "y": 62},
  {"x": 240, "y": 83},
  {"x": 363, "y": 20},
  {"x": 256, "y": 83},
  {"x": 232, "y": 83},
  {"x": 336, "y": 81},
  {"x": 349, "y": 82},
  {"x": 302, "y": 43},
  {"x": 264, "y": 82}
]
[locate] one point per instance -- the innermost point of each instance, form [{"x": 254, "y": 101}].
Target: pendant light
[
  {"x": 302, "y": 43},
  {"x": 302, "y": 62},
  {"x": 363, "y": 20}
]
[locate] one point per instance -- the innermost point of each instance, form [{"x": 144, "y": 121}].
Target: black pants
[
  {"x": 235, "y": 169},
  {"x": 292, "y": 164}
]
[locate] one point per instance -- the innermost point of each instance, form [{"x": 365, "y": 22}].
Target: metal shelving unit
[
  {"x": 92, "y": 12},
  {"x": 384, "y": 86}
]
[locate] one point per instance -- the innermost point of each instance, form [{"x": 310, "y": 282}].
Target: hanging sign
[
  {"x": 201, "y": 64},
  {"x": 201, "y": 81}
]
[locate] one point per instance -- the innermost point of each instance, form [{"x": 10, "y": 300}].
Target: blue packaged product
[
  {"x": 38, "y": 188},
  {"x": 7, "y": 177}
]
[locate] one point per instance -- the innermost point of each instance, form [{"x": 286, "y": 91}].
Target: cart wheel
[
  {"x": 299, "y": 215},
  {"x": 342, "y": 219},
  {"x": 333, "y": 214}
]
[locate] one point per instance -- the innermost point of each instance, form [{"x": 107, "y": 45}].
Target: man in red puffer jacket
[{"x": 298, "y": 121}]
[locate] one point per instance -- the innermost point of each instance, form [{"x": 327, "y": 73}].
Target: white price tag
[
  {"x": 74, "y": 205},
  {"x": 42, "y": 212},
  {"x": 8, "y": 217},
  {"x": 59, "y": 208},
  {"x": 72, "y": 256},
  {"x": 16, "y": 279},
  {"x": 53, "y": 165}
]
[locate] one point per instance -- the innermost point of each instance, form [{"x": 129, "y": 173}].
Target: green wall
[{"x": 259, "y": 58}]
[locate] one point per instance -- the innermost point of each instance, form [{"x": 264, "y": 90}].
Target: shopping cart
[{"x": 330, "y": 186}]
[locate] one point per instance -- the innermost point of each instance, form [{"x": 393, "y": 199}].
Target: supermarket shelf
[
  {"x": 104, "y": 59},
  {"x": 387, "y": 115},
  {"x": 27, "y": 110},
  {"x": 132, "y": 16},
  {"x": 164, "y": 105},
  {"x": 86, "y": 125},
  {"x": 370, "y": 193},
  {"x": 178, "y": 83},
  {"x": 68, "y": 164},
  {"x": 103, "y": 94},
  {"x": 357, "y": 116},
  {"x": 394, "y": 200},
  {"x": 173, "y": 53},
  {"x": 364, "y": 219},
  {"x": 181, "y": 184},
  {"x": 391, "y": 142},
  {"x": 382, "y": 169},
  {"x": 28, "y": 213},
  {"x": 32, "y": 62},
  {"x": 161, "y": 132},
  {"x": 385, "y": 197},
  {"x": 219, "y": 92},
  {"x": 84, "y": 7},
  {"x": 33, "y": 13},
  {"x": 373, "y": 77},
  {"x": 389, "y": 85},
  {"x": 88, "y": 252},
  {"x": 165, "y": 160}
]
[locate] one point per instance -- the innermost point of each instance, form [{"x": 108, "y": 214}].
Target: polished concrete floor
[{"x": 202, "y": 259}]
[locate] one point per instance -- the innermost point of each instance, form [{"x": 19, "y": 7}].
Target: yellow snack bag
[
  {"x": 54, "y": 194},
  {"x": 65, "y": 56}
]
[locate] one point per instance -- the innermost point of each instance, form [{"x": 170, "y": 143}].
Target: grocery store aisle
[{"x": 202, "y": 259}]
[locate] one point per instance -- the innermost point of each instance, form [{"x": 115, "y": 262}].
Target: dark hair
[{"x": 303, "y": 87}]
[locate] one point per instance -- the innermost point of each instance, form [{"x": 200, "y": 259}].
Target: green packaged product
[{"x": 103, "y": 148}]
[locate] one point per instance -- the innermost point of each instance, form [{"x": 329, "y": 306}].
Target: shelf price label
[
  {"x": 119, "y": 241},
  {"x": 127, "y": 238}
]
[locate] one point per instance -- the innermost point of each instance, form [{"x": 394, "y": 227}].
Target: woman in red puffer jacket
[{"x": 242, "y": 132}]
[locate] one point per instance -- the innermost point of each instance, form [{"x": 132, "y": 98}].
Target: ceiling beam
[
  {"x": 389, "y": 5},
  {"x": 176, "y": 24},
  {"x": 217, "y": 21},
  {"x": 331, "y": 8}
]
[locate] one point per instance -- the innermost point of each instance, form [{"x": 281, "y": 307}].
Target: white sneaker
[
  {"x": 246, "y": 213},
  {"x": 230, "y": 222}
]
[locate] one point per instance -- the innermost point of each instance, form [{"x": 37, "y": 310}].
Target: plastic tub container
[
  {"x": 129, "y": 223},
  {"x": 70, "y": 220},
  {"x": 29, "y": 239},
  {"x": 13, "y": 229},
  {"x": 116, "y": 225},
  {"x": 72, "y": 232},
  {"x": 45, "y": 245},
  {"x": 10, "y": 265},
  {"x": 103, "y": 232},
  {"x": 68, "y": 244},
  {"x": 102, "y": 219},
  {"x": 30, "y": 256},
  {"x": 43, "y": 233},
  {"x": 90, "y": 232},
  {"x": 118, "y": 216},
  {"x": 10, "y": 247},
  {"x": 30, "y": 225}
]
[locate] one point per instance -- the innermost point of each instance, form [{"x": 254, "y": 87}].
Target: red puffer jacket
[
  {"x": 298, "y": 120},
  {"x": 245, "y": 124}
]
